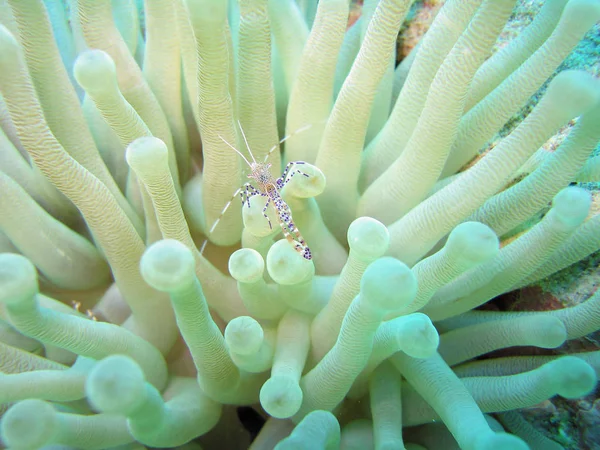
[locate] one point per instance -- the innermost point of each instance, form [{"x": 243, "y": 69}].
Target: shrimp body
[
  {"x": 286, "y": 222},
  {"x": 268, "y": 186}
]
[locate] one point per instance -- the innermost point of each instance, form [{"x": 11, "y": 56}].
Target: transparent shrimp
[{"x": 270, "y": 187}]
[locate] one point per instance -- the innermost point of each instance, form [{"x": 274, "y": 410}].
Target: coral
[
  {"x": 416, "y": 25},
  {"x": 116, "y": 178}
]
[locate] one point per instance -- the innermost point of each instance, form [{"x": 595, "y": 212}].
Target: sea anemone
[{"x": 135, "y": 308}]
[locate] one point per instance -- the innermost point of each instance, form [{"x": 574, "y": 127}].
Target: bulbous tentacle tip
[
  {"x": 583, "y": 13},
  {"x": 246, "y": 265},
  {"x": 281, "y": 397},
  {"x": 95, "y": 71},
  {"x": 574, "y": 377},
  {"x": 473, "y": 240},
  {"x": 309, "y": 182},
  {"x": 145, "y": 153},
  {"x": 244, "y": 335},
  {"x": 29, "y": 424},
  {"x": 254, "y": 217},
  {"x": 388, "y": 284},
  {"x": 555, "y": 332},
  {"x": 286, "y": 266},
  {"x": 168, "y": 265},
  {"x": 116, "y": 385},
  {"x": 18, "y": 278},
  {"x": 368, "y": 238},
  {"x": 419, "y": 338},
  {"x": 571, "y": 206},
  {"x": 574, "y": 92}
]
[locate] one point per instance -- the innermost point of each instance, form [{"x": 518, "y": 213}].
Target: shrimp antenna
[
  {"x": 236, "y": 150},
  {"x": 246, "y": 141},
  {"x": 294, "y": 133}
]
